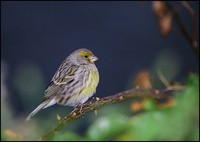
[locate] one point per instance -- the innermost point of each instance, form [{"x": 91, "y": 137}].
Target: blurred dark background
[{"x": 37, "y": 36}]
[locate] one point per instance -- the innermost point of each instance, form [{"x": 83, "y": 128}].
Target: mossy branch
[{"x": 98, "y": 103}]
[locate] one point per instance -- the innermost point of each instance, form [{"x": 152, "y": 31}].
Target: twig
[
  {"x": 189, "y": 38},
  {"x": 191, "y": 11},
  {"x": 167, "y": 84},
  {"x": 88, "y": 106},
  {"x": 162, "y": 78}
]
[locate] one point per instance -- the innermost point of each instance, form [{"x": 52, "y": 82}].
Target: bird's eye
[{"x": 86, "y": 56}]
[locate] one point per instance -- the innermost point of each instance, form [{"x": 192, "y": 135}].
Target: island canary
[{"x": 74, "y": 82}]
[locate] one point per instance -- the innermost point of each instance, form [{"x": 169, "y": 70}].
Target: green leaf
[
  {"x": 66, "y": 136},
  {"x": 177, "y": 123},
  {"x": 149, "y": 104},
  {"x": 108, "y": 126}
]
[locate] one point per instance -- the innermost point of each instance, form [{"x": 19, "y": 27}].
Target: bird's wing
[{"x": 64, "y": 75}]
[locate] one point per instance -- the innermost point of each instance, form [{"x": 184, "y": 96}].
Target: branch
[
  {"x": 191, "y": 11},
  {"x": 182, "y": 28},
  {"x": 93, "y": 106}
]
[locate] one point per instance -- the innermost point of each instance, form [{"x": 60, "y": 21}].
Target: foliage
[{"x": 179, "y": 122}]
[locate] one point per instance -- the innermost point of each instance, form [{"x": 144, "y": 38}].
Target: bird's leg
[
  {"x": 78, "y": 107},
  {"x": 85, "y": 104},
  {"x": 81, "y": 109}
]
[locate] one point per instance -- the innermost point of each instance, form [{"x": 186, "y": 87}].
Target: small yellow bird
[{"x": 74, "y": 82}]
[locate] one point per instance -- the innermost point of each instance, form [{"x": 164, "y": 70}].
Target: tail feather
[
  {"x": 40, "y": 107},
  {"x": 43, "y": 105}
]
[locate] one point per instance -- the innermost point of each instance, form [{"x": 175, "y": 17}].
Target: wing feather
[{"x": 64, "y": 75}]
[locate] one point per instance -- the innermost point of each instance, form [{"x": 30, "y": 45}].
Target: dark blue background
[{"x": 123, "y": 35}]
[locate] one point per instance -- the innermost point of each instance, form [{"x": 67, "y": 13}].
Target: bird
[{"x": 74, "y": 82}]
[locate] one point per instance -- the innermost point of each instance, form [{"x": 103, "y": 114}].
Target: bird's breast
[{"x": 92, "y": 82}]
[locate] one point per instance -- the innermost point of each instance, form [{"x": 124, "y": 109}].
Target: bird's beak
[{"x": 93, "y": 59}]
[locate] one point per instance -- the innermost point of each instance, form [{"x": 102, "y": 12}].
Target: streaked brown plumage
[{"x": 74, "y": 82}]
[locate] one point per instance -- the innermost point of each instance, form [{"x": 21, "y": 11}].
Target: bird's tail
[{"x": 43, "y": 105}]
